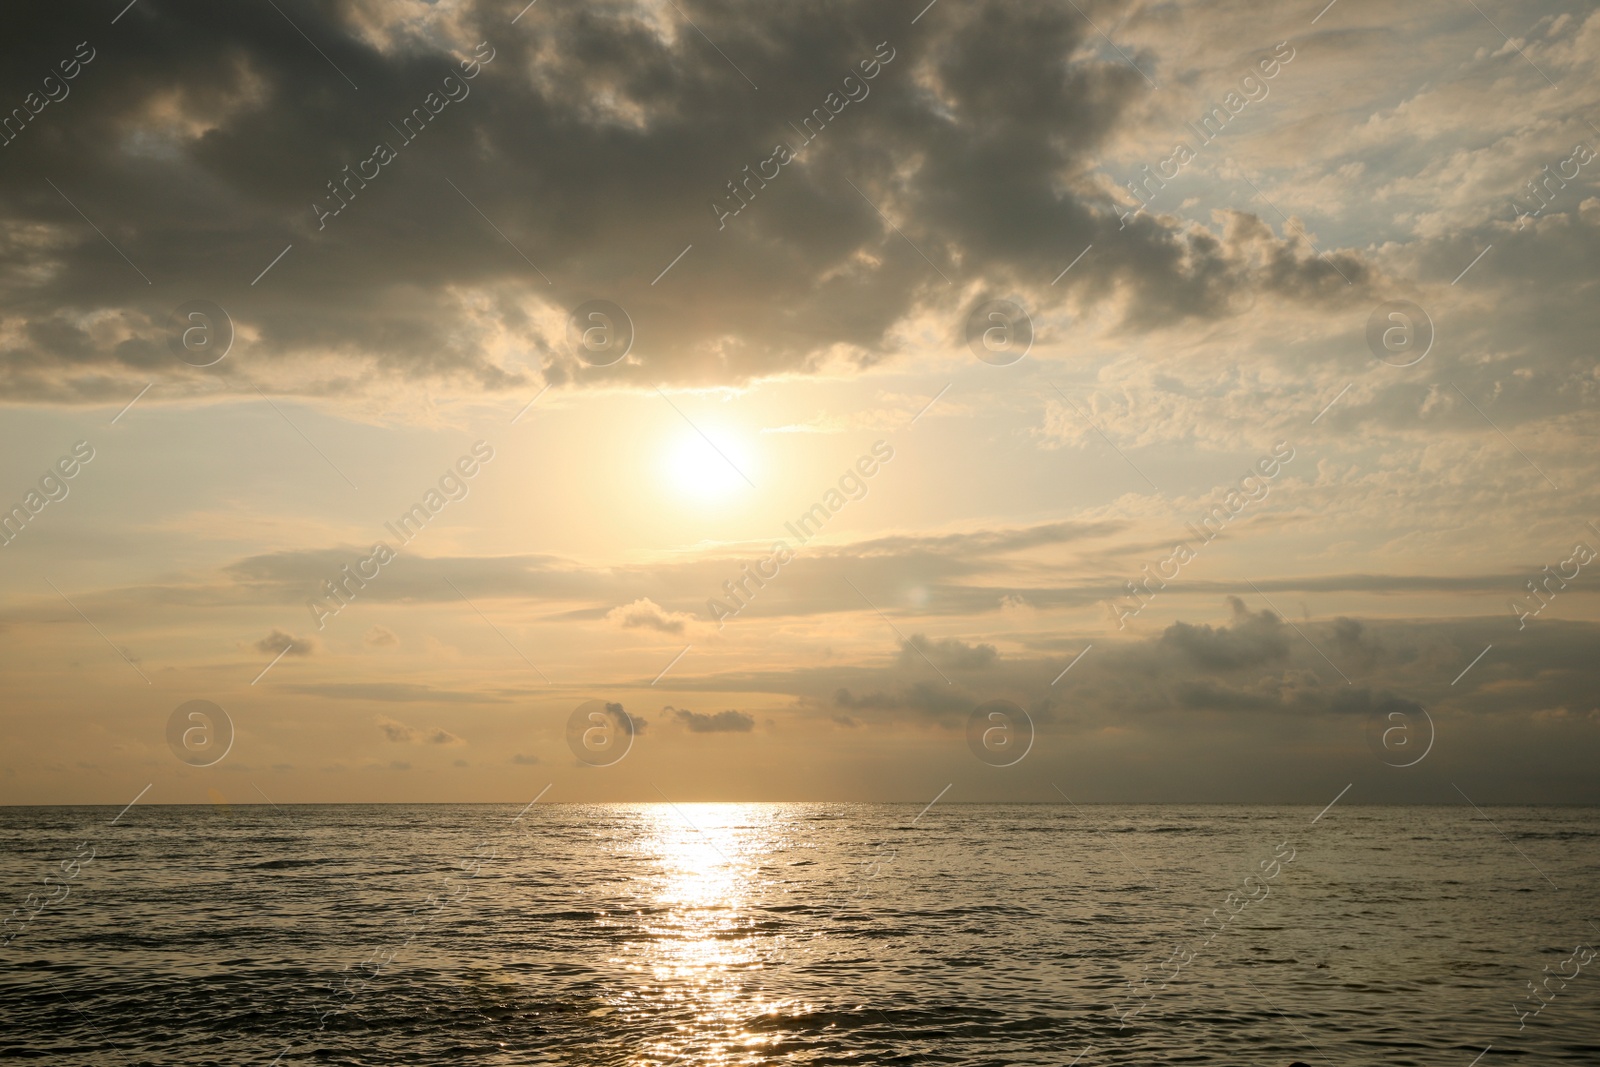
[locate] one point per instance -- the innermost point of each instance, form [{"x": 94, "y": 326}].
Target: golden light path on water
[{"x": 698, "y": 955}]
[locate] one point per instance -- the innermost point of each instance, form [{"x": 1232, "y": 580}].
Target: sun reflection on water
[{"x": 701, "y": 951}]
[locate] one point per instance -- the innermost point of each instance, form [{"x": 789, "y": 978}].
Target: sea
[{"x": 720, "y": 934}]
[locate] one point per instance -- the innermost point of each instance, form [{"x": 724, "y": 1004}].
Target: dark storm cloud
[{"x": 584, "y": 156}]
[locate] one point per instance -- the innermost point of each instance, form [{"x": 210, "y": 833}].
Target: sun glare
[{"x": 707, "y": 470}]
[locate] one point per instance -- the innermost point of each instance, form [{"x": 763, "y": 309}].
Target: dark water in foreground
[{"x": 801, "y": 933}]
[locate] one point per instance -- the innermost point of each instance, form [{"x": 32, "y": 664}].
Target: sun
[{"x": 709, "y": 467}]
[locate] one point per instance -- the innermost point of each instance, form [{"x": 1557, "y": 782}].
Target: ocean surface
[{"x": 800, "y": 933}]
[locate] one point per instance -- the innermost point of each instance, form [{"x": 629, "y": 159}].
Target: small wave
[{"x": 278, "y": 865}]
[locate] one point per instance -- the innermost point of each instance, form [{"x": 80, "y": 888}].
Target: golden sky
[{"x": 1212, "y": 389}]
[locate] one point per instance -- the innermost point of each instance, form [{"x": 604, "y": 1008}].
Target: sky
[{"x": 1118, "y": 402}]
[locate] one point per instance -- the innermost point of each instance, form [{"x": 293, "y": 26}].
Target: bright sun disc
[{"x": 698, "y": 469}]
